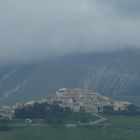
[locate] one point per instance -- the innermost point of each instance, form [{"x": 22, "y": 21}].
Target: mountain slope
[{"x": 115, "y": 74}]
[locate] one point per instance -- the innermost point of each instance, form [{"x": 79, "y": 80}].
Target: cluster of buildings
[
  {"x": 77, "y": 99},
  {"x": 83, "y": 100},
  {"x": 6, "y": 112}
]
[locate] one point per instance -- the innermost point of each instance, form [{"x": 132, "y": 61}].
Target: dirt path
[{"x": 101, "y": 119}]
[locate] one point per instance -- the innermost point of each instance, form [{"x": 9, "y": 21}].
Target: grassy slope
[
  {"x": 119, "y": 131},
  {"x": 82, "y": 117}
]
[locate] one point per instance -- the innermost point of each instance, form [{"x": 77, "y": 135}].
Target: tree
[{"x": 52, "y": 113}]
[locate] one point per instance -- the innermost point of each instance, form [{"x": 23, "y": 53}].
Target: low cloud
[{"x": 32, "y": 30}]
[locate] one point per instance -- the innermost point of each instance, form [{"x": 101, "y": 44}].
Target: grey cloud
[
  {"x": 31, "y": 30},
  {"x": 128, "y": 8}
]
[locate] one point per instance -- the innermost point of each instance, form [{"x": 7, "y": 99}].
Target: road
[{"x": 101, "y": 119}]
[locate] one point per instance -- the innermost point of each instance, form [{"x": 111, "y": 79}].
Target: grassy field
[
  {"x": 116, "y": 127},
  {"x": 79, "y": 117}
]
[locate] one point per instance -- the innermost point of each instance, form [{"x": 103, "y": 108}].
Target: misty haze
[{"x": 69, "y": 69}]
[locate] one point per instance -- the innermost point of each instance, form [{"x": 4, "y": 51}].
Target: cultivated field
[{"x": 116, "y": 127}]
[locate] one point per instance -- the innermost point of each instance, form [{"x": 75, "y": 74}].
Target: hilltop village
[
  {"x": 82, "y": 100},
  {"x": 77, "y": 100}
]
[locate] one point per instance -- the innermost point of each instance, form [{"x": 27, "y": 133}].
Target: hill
[{"x": 114, "y": 74}]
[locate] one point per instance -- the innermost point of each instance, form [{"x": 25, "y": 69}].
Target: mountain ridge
[{"x": 114, "y": 74}]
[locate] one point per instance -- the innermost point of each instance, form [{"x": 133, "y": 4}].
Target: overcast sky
[{"x": 34, "y": 29}]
